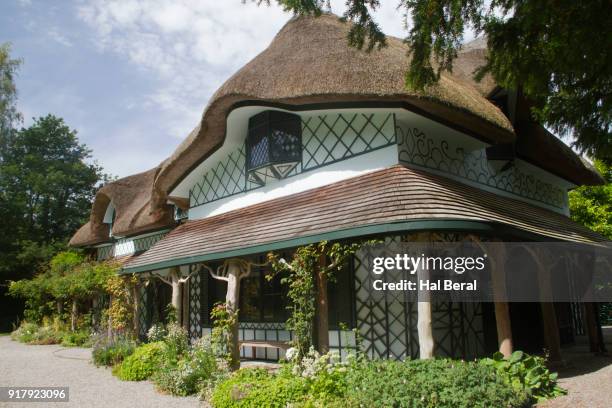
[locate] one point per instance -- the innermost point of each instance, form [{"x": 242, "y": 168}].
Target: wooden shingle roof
[{"x": 390, "y": 200}]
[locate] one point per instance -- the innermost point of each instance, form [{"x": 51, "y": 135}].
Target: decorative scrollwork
[{"x": 416, "y": 148}]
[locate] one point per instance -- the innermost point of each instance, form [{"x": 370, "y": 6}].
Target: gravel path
[
  {"x": 588, "y": 379},
  {"x": 24, "y": 365}
]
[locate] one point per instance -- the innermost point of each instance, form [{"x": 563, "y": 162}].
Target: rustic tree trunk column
[
  {"x": 232, "y": 271},
  {"x": 73, "y": 315},
  {"x": 94, "y": 314},
  {"x": 109, "y": 329},
  {"x": 424, "y": 329},
  {"x": 322, "y": 307},
  {"x": 426, "y": 342},
  {"x": 136, "y": 297},
  {"x": 502, "y": 308},
  {"x": 175, "y": 283},
  {"x": 591, "y": 327},
  {"x": 504, "y": 329},
  {"x": 551, "y": 331},
  {"x": 234, "y": 274},
  {"x": 549, "y": 315}
]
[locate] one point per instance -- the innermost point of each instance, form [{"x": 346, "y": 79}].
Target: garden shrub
[
  {"x": 314, "y": 381},
  {"x": 177, "y": 341},
  {"x": 76, "y": 339},
  {"x": 25, "y": 332},
  {"x": 256, "y": 388},
  {"x": 46, "y": 335},
  {"x": 112, "y": 352},
  {"x": 526, "y": 373},
  {"x": 196, "y": 371},
  {"x": 141, "y": 364},
  {"x": 429, "y": 383},
  {"x": 31, "y": 333},
  {"x": 323, "y": 381}
]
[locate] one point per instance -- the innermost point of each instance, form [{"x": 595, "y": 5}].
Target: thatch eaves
[{"x": 134, "y": 214}]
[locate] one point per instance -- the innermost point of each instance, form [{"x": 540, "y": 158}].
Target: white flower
[
  {"x": 156, "y": 332},
  {"x": 291, "y": 353}
]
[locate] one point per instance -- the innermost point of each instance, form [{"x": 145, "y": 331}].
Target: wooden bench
[{"x": 282, "y": 345}]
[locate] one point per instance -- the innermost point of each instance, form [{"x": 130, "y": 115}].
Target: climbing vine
[
  {"x": 221, "y": 337},
  {"x": 121, "y": 309},
  {"x": 299, "y": 277}
]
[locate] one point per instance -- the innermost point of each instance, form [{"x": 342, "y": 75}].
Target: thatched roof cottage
[{"x": 314, "y": 140}]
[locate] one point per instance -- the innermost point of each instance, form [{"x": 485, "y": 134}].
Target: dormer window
[
  {"x": 274, "y": 145},
  {"x": 180, "y": 214},
  {"x": 501, "y": 156},
  {"x": 109, "y": 218}
]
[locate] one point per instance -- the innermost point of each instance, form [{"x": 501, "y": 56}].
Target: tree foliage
[
  {"x": 46, "y": 187},
  {"x": 8, "y": 91},
  {"x": 556, "y": 52},
  {"x": 69, "y": 276},
  {"x": 592, "y": 205}
]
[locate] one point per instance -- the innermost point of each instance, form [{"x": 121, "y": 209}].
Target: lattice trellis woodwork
[
  {"x": 105, "y": 252},
  {"x": 144, "y": 311},
  {"x": 577, "y": 313},
  {"x": 99, "y": 305},
  {"x": 326, "y": 139},
  {"x": 458, "y": 331},
  {"x": 144, "y": 243},
  {"x": 331, "y": 138},
  {"x": 387, "y": 321},
  {"x": 224, "y": 179},
  {"x": 197, "y": 296},
  {"x": 128, "y": 246},
  {"x": 384, "y": 321}
]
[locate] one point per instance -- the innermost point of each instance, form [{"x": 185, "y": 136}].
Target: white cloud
[
  {"x": 190, "y": 47},
  {"x": 57, "y": 36}
]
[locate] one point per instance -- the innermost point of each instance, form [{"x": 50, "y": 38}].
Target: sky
[{"x": 134, "y": 76}]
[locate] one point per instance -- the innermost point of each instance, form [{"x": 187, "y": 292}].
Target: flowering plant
[{"x": 157, "y": 332}]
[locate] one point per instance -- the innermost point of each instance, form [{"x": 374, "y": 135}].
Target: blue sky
[{"x": 133, "y": 76}]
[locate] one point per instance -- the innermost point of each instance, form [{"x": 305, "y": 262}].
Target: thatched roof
[
  {"x": 534, "y": 143},
  {"x": 131, "y": 198},
  {"x": 471, "y": 57},
  {"x": 310, "y": 62}
]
